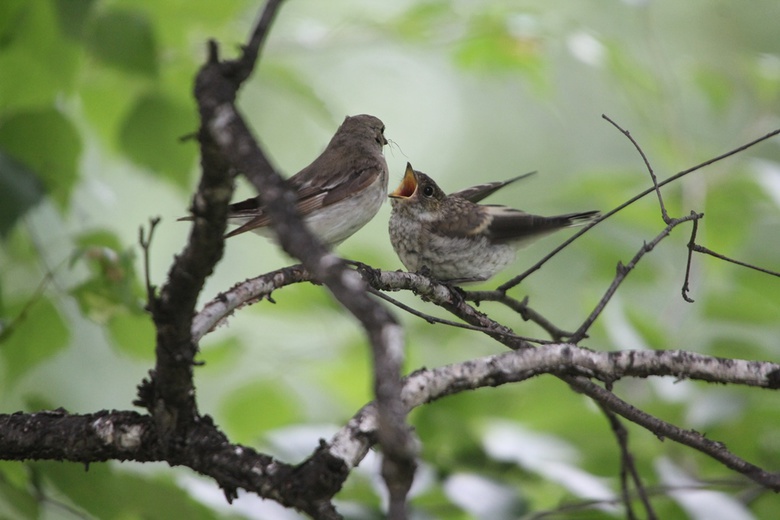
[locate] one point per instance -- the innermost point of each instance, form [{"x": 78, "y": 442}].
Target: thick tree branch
[
  {"x": 224, "y": 125},
  {"x": 115, "y": 435},
  {"x": 108, "y": 435},
  {"x": 169, "y": 393},
  {"x": 576, "y": 364},
  {"x": 244, "y": 293}
]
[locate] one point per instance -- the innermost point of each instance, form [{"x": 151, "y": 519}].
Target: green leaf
[
  {"x": 717, "y": 87},
  {"x": 124, "y": 39},
  {"x": 72, "y": 16},
  {"x": 106, "y": 493},
  {"x": 258, "y": 407},
  {"x": 20, "y": 190},
  {"x": 219, "y": 357},
  {"x": 492, "y": 47},
  {"x": 113, "y": 288},
  {"x": 97, "y": 238},
  {"x": 35, "y": 333},
  {"x": 133, "y": 333},
  {"x": 748, "y": 297},
  {"x": 291, "y": 83},
  {"x": 36, "y": 63},
  {"x": 151, "y": 136},
  {"x": 731, "y": 202},
  {"x": 11, "y": 12},
  {"x": 47, "y": 143},
  {"x": 422, "y": 18},
  {"x": 16, "y": 498},
  {"x": 106, "y": 97}
]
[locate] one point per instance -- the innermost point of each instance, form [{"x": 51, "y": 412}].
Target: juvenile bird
[
  {"x": 457, "y": 240},
  {"x": 338, "y": 193}
]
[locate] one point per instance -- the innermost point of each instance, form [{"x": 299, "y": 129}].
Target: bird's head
[
  {"x": 365, "y": 125},
  {"x": 419, "y": 189}
]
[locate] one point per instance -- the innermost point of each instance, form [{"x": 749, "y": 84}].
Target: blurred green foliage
[{"x": 94, "y": 105}]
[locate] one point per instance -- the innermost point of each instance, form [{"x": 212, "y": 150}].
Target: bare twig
[
  {"x": 522, "y": 276},
  {"x": 664, "y": 214},
  {"x": 434, "y": 320},
  {"x": 246, "y": 63},
  {"x": 691, "y": 244},
  {"x": 663, "y": 429},
  {"x": 704, "y": 250},
  {"x": 622, "y": 272},
  {"x": 145, "y": 241},
  {"x": 447, "y": 297},
  {"x": 583, "y": 505},
  {"x": 628, "y": 468},
  {"x": 522, "y": 308}
]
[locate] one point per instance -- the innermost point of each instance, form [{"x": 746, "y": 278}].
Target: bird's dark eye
[{"x": 428, "y": 191}]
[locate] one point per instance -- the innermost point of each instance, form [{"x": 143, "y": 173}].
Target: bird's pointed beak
[{"x": 408, "y": 185}]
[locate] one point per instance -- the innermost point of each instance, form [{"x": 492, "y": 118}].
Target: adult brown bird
[
  {"x": 456, "y": 240},
  {"x": 338, "y": 193}
]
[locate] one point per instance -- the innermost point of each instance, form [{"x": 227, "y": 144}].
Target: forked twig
[
  {"x": 622, "y": 272},
  {"x": 145, "y": 241},
  {"x": 664, "y": 214},
  {"x": 691, "y": 245}
]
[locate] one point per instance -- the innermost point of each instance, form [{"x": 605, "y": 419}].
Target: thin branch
[
  {"x": 145, "y": 241},
  {"x": 704, "y": 250},
  {"x": 448, "y": 298},
  {"x": 622, "y": 272},
  {"x": 628, "y": 468},
  {"x": 664, "y": 214},
  {"x": 691, "y": 245},
  {"x": 434, "y": 320},
  {"x": 522, "y": 276},
  {"x": 662, "y": 429},
  {"x": 583, "y": 505},
  {"x": 521, "y": 307},
  {"x": 246, "y": 64}
]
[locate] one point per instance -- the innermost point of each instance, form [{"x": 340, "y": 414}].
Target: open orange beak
[{"x": 408, "y": 185}]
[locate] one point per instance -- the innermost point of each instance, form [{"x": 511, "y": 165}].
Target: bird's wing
[
  {"x": 312, "y": 195},
  {"x": 461, "y": 218},
  {"x": 481, "y": 191},
  {"x": 338, "y": 187},
  {"x": 507, "y": 224}
]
